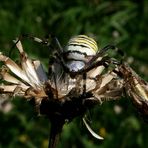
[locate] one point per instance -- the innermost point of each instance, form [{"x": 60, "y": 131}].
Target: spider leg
[
  {"x": 103, "y": 51},
  {"x": 105, "y": 61},
  {"x": 56, "y": 42},
  {"x": 49, "y": 41}
]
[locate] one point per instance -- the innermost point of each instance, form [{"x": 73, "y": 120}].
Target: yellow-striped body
[
  {"x": 80, "y": 47},
  {"x": 84, "y": 44}
]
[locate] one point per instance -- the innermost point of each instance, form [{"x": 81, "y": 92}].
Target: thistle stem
[{"x": 55, "y": 132}]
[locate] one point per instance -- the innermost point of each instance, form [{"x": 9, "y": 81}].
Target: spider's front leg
[
  {"x": 136, "y": 88},
  {"x": 50, "y": 41}
]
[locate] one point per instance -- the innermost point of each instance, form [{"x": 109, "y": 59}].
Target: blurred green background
[{"x": 123, "y": 23}]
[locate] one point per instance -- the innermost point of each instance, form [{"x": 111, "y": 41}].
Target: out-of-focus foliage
[{"x": 120, "y": 22}]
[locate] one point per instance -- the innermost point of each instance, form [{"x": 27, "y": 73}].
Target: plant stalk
[{"x": 55, "y": 131}]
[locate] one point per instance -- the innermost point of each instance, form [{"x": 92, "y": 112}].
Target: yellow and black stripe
[{"x": 86, "y": 44}]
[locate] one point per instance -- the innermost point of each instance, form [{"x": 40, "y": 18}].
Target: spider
[
  {"x": 79, "y": 58},
  {"x": 80, "y": 76}
]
